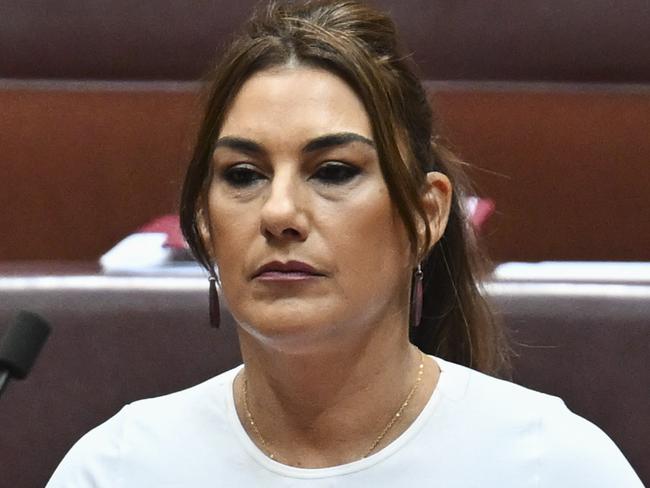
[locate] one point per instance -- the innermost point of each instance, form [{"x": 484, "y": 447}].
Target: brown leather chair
[{"x": 120, "y": 338}]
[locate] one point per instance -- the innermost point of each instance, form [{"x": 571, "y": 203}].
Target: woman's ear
[
  {"x": 204, "y": 229},
  {"x": 436, "y": 202}
]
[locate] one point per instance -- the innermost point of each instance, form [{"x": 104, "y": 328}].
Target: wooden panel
[
  {"x": 81, "y": 168},
  {"x": 552, "y": 40},
  {"x": 569, "y": 169}
]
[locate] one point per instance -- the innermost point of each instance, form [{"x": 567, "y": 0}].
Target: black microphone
[{"x": 20, "y": 346}]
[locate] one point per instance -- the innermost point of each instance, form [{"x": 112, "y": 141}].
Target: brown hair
[{"x": 360, "y": 45}]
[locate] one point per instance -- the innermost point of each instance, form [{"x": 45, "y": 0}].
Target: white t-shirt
[{"x": 475, "y": 431}]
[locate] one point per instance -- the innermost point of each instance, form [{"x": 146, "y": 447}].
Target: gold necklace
[{"x": 379, "y": 438}]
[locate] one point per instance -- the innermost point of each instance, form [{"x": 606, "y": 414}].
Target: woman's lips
[
  {"x": 284, "y": 276},
  {"x": 289, "y": 271}
]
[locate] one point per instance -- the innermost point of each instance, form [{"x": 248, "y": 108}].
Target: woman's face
[{"x": 299, "y": 219}]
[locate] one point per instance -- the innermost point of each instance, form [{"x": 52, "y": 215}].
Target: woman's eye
[
  {"x": 335, "y": 173},
  {"x": 241, "y": 176}
]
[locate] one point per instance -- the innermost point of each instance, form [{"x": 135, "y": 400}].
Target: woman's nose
[{"x": 283, "y": 215}]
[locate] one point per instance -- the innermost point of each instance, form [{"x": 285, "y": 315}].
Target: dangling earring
[
  {"x": 215, "y": 312},
  {"x": 416, "y": 297}
]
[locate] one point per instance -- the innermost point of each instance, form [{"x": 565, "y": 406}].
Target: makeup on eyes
[
  {"x": 335, "y": 172},
  {"x": 329, "y": 161},
  {"x": 242, "y": 175}
]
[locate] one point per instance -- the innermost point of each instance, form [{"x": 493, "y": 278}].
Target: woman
[{"x": 318, "y": 191}]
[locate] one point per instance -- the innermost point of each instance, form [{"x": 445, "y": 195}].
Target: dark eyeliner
[
  {"x": 336, "y": 173},
  {"x": 241, "y": 175}
]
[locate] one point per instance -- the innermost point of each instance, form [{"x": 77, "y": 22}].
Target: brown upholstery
[
  {"x": 551, "y": 40},
  {"x": 86, "y": 164},
  {"x": 111, "y": 343},
  {"x": 567, "y": 166},
  {"x": 83, "y": 166},
  {"x": 117, "y": 339}
]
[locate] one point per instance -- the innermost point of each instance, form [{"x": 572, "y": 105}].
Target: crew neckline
[{"x": 342, "y": 469}]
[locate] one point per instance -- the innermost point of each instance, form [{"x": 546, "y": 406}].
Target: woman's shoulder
[
  {"x": 564, "y": 445},
  {"x": 212, "y": 393},
  {"x": 166, "y": 426},
  {"x": 502, "y": 405},
  {"x": 486, "y": 395}
]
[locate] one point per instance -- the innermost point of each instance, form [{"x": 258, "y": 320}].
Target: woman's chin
[{"x": 292, "y": 332}]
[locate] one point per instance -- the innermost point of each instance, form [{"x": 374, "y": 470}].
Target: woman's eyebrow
[
  {"x": 338, "y": 139},
  {"x": 319, "y": 143},
  {"x": 240, "y": 144}
]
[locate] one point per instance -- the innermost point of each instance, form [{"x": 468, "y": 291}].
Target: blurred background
[{"x": 549, "y": 100}]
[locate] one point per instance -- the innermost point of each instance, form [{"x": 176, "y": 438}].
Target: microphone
[{"x": 20, "y": 346}]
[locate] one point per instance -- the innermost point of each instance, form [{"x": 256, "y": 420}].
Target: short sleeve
[
  {"x": 94, "y": 461},
  {"x": 580, "y": 454}
]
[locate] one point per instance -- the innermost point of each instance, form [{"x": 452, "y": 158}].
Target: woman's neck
[{"x": 328, "y": 407}]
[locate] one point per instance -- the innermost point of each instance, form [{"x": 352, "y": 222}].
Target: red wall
[{"x": 84, "y": 165}]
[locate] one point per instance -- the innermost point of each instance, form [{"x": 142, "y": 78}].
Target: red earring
[
  {"x": 215, "y": 312},
  {"x": 416, "y": 297}
]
